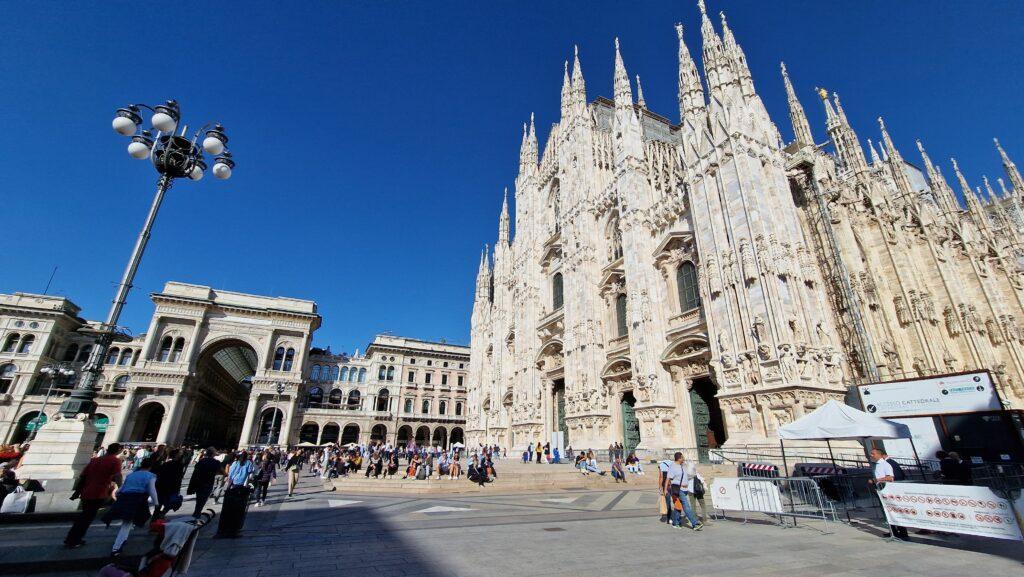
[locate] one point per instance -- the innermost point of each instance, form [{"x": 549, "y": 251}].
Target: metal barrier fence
[
  {"x": 792, "y": 497},
  {"x": 763, "y": 470}
]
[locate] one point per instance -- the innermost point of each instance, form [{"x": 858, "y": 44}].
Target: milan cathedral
[{"x": 700, "y": 284}]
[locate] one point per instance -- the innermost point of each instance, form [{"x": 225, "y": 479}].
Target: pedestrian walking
[
  {"x": 676, "y": 481},
  {"x": 131, "y": 503},
  {"x": 294, "y": 466},
  {"x": 204, "y": 476},
  {"x": 94, "y": 486}
]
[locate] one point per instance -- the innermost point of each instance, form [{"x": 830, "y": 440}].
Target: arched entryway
[
  {"x": 404, "y": 434},
  {"x": 422, "y": 436},
  {"x": 309, "y": 433},
  {"x": 350, "y": 434},
  {"x": 269, "y": 431},
  {"x": 630, "y": 424},
  {"x": 26, "y": 424},
  {"x": 221, "y": 384},
  {"x": 457, "y": 436},
  {"x": 708, "y": 423},
  {"x": 441, "y": 437},
  {"x": 379, "y": 434},
  {"x": 147, "y": 423},
  {"x": 331, "y": 432},
  {"x": 102, "y": 422}
]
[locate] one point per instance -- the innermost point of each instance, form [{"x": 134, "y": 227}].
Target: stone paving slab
[{"x": 593, "y": 533}]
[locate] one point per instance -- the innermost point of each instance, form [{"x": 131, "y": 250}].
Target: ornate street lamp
[
  {"x": 174, "y": 156},
  {"x": 53, "y": 372}
]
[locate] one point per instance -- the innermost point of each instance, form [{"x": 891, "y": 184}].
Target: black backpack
[
  {"x": 897, "y": 470},
  {"x": 698, "y": 488}
]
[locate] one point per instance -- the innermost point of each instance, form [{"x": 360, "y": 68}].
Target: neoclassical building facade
[
  {"x": 228, "y": 369},
  {"x": 700, "y": 283}
]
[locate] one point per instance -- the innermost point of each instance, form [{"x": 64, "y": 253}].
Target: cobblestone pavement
[{"x": 563, "y": 533}]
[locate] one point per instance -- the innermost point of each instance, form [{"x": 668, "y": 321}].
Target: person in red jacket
[{"x": 95, "y": 486}]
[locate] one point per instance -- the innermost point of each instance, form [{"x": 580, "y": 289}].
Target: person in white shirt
[
  {"x": 675, "y": 483},
  {"x": 884, "y": 474},
  {"x": 663, "y": 467}
]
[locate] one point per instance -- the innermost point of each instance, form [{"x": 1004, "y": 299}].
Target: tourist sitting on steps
[{"x": 618, "y": 473}]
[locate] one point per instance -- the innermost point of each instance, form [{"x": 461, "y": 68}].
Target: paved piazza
[{"x": 565, "y": 532}]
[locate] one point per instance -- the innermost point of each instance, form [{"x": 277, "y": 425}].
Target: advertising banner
[
  {"x": 926, "y": 441},
  {"x": 931, "y": 396},
  {"x": 951, "y": 508},
  {"x": 731, "y": 494}
]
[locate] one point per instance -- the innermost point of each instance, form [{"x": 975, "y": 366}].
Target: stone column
[
  {"x": 170, "y": 420},
  {"x": 286, "y": 428},
  {"x": 250, "y": 413},
  {"x": 127, "y": 405}
]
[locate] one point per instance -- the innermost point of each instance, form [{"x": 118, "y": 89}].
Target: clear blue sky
[{"x": 373, "y": 139}]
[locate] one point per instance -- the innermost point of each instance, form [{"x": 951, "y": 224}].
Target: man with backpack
[{"x": 888, "y": 471}]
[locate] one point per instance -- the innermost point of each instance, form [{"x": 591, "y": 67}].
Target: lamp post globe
[{"x": 165, "y": 116}]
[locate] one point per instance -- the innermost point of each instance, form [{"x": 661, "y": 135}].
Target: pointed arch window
[
  {"x": 620, "y": 315},
  {"x": 686, "y": 284},
  {"x": 165, "y": 349},
  {"x": 278, "y": 358},
  {"x": 556, "y": 291},
  {"x": 289, "y": 358}
]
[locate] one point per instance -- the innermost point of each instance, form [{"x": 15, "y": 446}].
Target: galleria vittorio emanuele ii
[
  {"x": 783, "y": 319},
  {"x": 700, "y": 283}
]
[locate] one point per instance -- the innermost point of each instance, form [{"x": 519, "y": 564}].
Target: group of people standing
[{"x": 383, "y": 460}]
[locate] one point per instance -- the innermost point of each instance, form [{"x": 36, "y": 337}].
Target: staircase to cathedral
[{"x": 513, "y": 476}]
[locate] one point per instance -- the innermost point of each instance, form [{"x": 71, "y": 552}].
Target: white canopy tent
[{"x": 835, "y": 421}]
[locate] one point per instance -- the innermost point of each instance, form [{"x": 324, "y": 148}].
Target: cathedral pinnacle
[
  {"x": 579, "y": 87},
  {"x": 875, "y": 160},
  {"x": 691, "y": 91},
  {"x": 623, "y": 91},
  {"x": 940, "y": 189},
  {"x": 797, "y": 117},
  {"x": 566, "y": 91},
  {"x": 1011, "y": 169},
  {"x": 503, "y": 222},
  {"x": 640, "y": 93}
]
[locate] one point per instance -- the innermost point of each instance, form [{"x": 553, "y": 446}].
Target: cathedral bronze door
[
  {"x": 707, "y": 417},
  {"x": 630, "y": 424}
]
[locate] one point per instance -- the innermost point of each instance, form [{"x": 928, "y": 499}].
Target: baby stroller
[{"x": 171, "y": 553}]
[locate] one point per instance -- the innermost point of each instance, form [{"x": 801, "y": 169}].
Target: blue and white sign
[{"x": 964, "y": 393}]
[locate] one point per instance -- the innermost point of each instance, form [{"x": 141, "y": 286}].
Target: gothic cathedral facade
[{"x": 693, "y": 285}]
